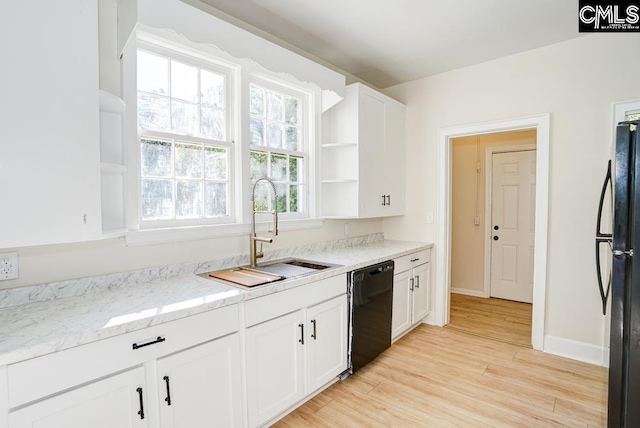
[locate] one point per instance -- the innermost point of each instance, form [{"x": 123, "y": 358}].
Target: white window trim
[{"x": 245, "y": 69}]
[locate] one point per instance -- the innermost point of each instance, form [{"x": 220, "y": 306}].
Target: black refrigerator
[{"x": 624, "y": 356}]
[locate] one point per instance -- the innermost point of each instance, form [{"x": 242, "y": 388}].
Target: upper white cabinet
[
  {"x": 50, "y": 157},
  {"x": 363, "y": 156}
]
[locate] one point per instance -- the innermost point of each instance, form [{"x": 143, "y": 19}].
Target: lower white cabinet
[
  {"x": 411, "y": 297},
  {"x": 308, "y": 345},
  {"x": 201, "y": 387},
  {"x": 116, "y": 401}
]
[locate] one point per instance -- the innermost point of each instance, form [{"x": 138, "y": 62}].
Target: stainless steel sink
[
  {"x": 286, "y": 269},
  {"x": 293, "y": 268}
]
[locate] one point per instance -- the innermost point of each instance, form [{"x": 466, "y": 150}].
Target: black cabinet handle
[
  {"x": 495, "y": 238},
  {"x": 384, "y": 200},
  {"x": 417, "y": 281},
  {"x": 414, "y": 260},
  {"x": 301, "y": 340},
  {"x": 160, "y": 339},
  {"x": 496, "y": 227},
  {"x": 389, "y": 200},
  {"x": 168, "y": 397},
  {"x": 314, "y": 335},
  {"x": 141, "y": 411},
  {"x": 411, "y": 281}
]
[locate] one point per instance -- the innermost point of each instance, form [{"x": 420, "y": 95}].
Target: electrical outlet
[{"x": 8, "y": 266}]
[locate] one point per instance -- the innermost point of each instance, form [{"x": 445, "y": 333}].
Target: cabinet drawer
[
  {"x": 411, "y": 260},
  {"x": 274, "y": 305},
  {"x": 39, "y": 377}
]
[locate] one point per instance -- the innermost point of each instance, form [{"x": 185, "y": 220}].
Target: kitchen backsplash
[{"x": 76, "y": 287}]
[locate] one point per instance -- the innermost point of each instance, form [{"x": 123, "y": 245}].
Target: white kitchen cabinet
[
  {"x": 327, "y": 340},
  {"x": 275, "y": 366},
  {"x": 117, "y": 401},
  {"x": 411, "y": 292},
  {"x": 50, "y": 162},
  {"x": 363, "y": 157},
  {"x": 201, "y": 387},
  {"x": 96, "y": 385},
  {"x": 293, "y": 355}
]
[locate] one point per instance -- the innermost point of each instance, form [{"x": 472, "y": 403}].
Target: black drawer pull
[
  {"x": 415, "y": 260},
  {"x": 160, "y": 339},
  {"x": 314, "y": 335},
  {"x": 168, "y": 398},
  {"x": 141, "y": 411},
  {"x": 301, "y": 340}
]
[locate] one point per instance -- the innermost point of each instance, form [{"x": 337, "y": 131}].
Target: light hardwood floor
[
  {"x": 493, "y": 318},
  {"x": 441, "y": 377}
]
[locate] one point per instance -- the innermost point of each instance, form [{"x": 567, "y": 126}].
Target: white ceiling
[{"x": 386, "y": 42}]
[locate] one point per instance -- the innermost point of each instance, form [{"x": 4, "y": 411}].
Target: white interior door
[{"x": 512, "y": 225}]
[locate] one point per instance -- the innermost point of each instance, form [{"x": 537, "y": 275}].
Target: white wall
[{"x": 576, "y": 81}]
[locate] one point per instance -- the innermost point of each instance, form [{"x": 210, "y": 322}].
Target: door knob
[
  {"x": 495, "y": 238},
  {"x": 496, "y": 227}
]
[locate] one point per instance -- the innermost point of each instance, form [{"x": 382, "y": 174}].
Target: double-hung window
[
  {"x": 185, "y": 128},
  {"x": 279, "y": 147}
]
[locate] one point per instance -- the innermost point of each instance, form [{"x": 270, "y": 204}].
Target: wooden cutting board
[{"x": 246, "y": 277}]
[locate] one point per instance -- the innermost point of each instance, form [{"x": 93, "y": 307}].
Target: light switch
[{"x": 430, "y": 217}]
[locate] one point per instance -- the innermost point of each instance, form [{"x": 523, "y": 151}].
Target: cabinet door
[
  {"x": 371, "y": 162},
  {"x": 50, "y": 122},
  {"x": 401, "y": 318},
  {"x": 394, "y": 159},
  {"x": 108, "y": 403},
  {"x": 327, "y": 339},
  {"x": 275, "y": 366},
  {"x": 201, "y": 387},
  {"x": 421, "y": 292}
]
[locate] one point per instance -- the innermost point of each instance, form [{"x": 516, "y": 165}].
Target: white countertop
[{"x": 35, "y": 329}]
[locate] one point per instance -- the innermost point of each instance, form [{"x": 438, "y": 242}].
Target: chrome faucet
[{"x": 253, "y": 239}]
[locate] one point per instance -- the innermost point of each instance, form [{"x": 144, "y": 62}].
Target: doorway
[
  {"x": 539, "y": 123},
  {"x": 492, "y": 231}
]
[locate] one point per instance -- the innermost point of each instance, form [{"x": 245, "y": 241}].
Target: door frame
[
  {"x": 488, "y": 204},
  {"x": 541, "y": 123}
]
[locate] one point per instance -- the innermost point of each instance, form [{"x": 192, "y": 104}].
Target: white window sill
[{"x": 194, "y": 233}]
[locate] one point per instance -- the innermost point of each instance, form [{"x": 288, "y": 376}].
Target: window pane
[
  {"x": 258, "y": 165},
  {"x": 153, "y": 73},
  {"x": 215, "y": 199},
  {"x": 213, "y": 124},
  {"x": 291, "y": 142},
  {"x": 184, "y": 82},
  {"x": 274, "y": 135},
  {"x": 293, "y": 199},
  {"x": 257, "y": 101},
  {"x": 296, "y": 171},
  {"x": 291, "y": 111},
  {"x": 275, "y": 106},
  {"x": 256, "y": 131},
  {"x": 281, "y": 189},
  {"x": 157, "y": 199},
  {"x": 212, "y": 89},
  {"x": 188, "y": 199},
  {"x": 279, "y": 168},
  {"x": 156, "y": 158},
  {"x": 153, "y": 112},
  {"x": 215, "y": 163},
  {"x": 263, "y": 196},
  {"x": 184, "y": 118},
  {"x": 188, "y": 160}
]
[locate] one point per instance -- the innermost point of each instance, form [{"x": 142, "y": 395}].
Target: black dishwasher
[{"x": 371, "y": 301}]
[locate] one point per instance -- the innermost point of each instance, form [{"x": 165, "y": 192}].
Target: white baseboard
[
  {"x": 474, "y": 293},
  {"x": 575, "y": 350}
]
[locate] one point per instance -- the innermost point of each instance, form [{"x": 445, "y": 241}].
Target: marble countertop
[{"x": 34, "y": 329}]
